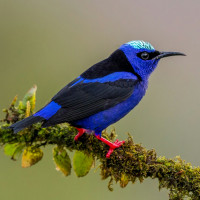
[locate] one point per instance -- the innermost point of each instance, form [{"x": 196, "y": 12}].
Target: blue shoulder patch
[
  {"x": 74, "y": 82},
  {"x": 112, "y": 77},
  {"x": 49, "y": 110}
]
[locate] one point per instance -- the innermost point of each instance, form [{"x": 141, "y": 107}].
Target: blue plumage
[
  {"x": 111, "y": 77},
  {"x": 104, "y": 93},
  {"x": 48, "y": 111}
]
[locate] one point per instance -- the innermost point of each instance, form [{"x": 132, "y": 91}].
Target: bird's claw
[
  {"x": 76, "y": 137},
  {"x": 114, "y": 145},
  {"x": 81, "y": 131}
]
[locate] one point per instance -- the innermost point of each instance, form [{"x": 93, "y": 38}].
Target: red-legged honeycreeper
[{"x": 103, "y": 94}]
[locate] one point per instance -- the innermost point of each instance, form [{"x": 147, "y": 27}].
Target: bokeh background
[{"x": 49, "y": 43}]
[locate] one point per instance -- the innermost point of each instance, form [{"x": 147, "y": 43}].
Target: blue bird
[{"x": 103, "y": 94}]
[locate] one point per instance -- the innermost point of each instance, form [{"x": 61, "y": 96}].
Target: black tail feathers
[{"x": 18, "y": 126}]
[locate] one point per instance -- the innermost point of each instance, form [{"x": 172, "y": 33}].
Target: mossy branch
[{"x": 129, "y": 163}]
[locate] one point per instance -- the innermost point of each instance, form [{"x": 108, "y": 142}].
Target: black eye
[
  {"x": 144, "y": 55},
  {"x": 148, "y": 55}
]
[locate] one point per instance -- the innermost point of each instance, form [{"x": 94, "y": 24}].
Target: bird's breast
[{"x": 127, "y": 105}]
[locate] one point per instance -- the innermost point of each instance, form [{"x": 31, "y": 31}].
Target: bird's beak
[{"x": 167, "y": 54}]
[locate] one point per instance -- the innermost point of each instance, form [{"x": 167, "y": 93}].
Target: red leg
[
  {"x": 112, "y": 146},
  {"x": 80, "y": 132}
]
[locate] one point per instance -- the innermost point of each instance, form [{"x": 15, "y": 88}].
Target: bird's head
[{"x": 143, "y": 57}]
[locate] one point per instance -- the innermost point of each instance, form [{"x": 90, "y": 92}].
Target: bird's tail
[{"x": 18, "y": 126}]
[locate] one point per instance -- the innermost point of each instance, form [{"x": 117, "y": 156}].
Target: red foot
[
  {"x": 112, "y": 146},
  {"x": 80, "y": 133}
]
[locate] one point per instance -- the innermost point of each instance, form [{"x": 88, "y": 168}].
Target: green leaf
[
  {"x": 62, "y": 160},
  {"x": 31, "y": 97},
  {"x": 13, "y": 150},
  {"x": 31, "y": 156},
  {"x": 14, "y": 101},
  {"x": 82, "y": 163}
]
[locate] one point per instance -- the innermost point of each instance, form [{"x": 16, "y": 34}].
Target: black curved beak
[{"x": 167, "y": 54}]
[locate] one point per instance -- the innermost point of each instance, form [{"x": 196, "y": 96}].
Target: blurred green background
[{"x": 49, "y": 43}]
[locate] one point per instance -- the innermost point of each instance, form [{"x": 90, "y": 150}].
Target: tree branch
[{"x": 126, "y": 164}]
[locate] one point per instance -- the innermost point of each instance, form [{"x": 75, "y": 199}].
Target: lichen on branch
[{"x": 129, "y": 163}]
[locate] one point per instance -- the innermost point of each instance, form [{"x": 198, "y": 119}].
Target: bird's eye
[{"x": 144, "y": 55}]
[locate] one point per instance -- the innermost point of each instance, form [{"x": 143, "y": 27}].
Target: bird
[{"x": 103, "y": 94}]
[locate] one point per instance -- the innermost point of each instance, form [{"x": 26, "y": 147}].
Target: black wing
[{"x": 85, "y": 99}]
